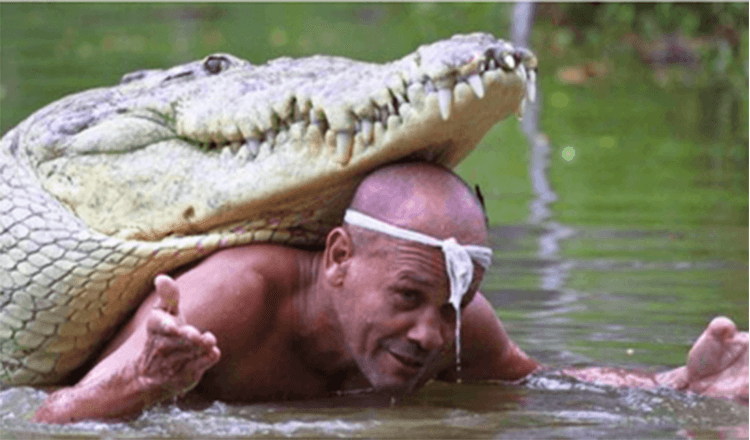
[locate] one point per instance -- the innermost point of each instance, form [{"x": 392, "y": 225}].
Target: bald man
[{"x": 375, "y": 309}]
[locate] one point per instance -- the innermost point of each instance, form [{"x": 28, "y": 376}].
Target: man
[{"x": 375, "y": 308}]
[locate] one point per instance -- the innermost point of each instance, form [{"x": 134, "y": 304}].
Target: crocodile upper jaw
[{"x": 214, "y": 141}]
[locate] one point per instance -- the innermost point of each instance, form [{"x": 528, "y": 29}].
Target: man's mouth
[{"x": 408, "y": 361}]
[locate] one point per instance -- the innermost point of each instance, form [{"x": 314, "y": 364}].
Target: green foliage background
[{"x": 651, "y": 148}]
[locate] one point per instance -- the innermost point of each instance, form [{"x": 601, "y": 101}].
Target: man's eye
[{"x": 410, "y": 296}]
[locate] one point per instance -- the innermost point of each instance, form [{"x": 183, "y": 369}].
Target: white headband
[{"x": 458, "y": 257}]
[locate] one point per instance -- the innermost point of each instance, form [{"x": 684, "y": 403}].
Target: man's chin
[
  {"x": 399, "y": 385},
  {"x": 391, "y": 375},
  {"x": 393, "y": 388}
]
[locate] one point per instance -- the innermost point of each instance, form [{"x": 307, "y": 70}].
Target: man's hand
[
  {"x": 161, "y": 359},
  {"x": 717, "y": 365},
  {"x": 175, "y": 355}
]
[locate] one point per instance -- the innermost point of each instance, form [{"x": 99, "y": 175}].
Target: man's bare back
[{"x": 265, "y": 322}]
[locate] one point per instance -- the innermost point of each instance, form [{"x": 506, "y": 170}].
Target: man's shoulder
[
  {"x": 253, "y": 280},
  {"x": 257, "y": 267},
  {"x": 259, "y": 257}
]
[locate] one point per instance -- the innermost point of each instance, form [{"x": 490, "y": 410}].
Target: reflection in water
[
  {"x": 540, "y": 214},
  {"x": 719, "y": 112}
]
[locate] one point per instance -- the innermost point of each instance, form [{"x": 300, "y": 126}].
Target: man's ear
[{"x": 337, "y": 255}]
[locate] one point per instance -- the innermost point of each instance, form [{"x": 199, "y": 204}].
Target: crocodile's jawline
[{"x": 226, "y": 138}]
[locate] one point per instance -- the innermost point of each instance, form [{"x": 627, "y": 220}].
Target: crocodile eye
[{"x": 215, "y": 64}]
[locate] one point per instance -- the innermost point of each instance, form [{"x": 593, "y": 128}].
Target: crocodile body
[{"x": 102, "y": 190}]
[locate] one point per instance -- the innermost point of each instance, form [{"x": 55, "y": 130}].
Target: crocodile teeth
[
  {"x": 226, "y": 153},
  {"x": 522, "y": 71},
  {"x": 270, "y": 136},
  {"x": 246, "y": 128},
  {"x": 509, "y": 61},
  {"x": 366, "y": 130},
  {"x": 444, "y": 99},
  {"x": 235, "y": 146},
  {"x": 344, "y": 146},
  {"x": 521, "y": 110},
  {"x": 242, "y": 155},
  {"x": 252, "y": 146},
  {"x": 476, "y": 84},
  {"x": 532, "y": 85}
]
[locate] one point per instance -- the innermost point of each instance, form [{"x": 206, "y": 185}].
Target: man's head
[{"x": 391, "y": 295}]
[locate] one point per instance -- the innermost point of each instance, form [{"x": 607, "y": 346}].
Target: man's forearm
[
  {"x": 628, "y": 379},
  {"x": 118, "y": 396}
]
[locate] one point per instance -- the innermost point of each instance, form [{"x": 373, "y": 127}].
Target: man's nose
[{"x": 428, "y": 331}]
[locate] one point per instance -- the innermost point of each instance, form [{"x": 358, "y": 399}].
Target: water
[
  {"x": 540, "y": 408},
  {"x": 637, "y": 313}
]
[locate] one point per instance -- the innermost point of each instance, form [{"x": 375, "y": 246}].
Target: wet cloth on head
[{"x": 458, "y": 257}]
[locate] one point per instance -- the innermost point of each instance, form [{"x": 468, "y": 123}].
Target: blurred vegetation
[
  {"x": 710, "y": 37},
  {"x": 646, "y": 105},
  {"x": 652, "y": 99}
]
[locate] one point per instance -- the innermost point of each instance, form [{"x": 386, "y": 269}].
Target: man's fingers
[
  {"x": 722, "y": 328},
  {"x": 208, "y": 340},
  {"x": 161, "y": 323},
  {"x": 168, "y": 294},
  {"x": 203, "y": 363},
  {"x": 163, "y": 327},
  {"x": 198, "y": 366},
  {"x": 176, "y": 355}
]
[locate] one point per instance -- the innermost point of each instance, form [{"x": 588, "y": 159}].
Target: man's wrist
[{"x": 677, "y": 378}]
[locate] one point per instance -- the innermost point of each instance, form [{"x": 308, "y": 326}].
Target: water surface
[{"x": 640, "y": 313}]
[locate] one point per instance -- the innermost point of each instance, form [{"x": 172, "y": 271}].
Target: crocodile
[{"x": 104, "y": 189}]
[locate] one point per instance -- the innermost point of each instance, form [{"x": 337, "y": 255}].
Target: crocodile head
[{"x": 206, "y": 144}]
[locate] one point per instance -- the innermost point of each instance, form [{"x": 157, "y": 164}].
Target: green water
[{"x": 647, "y": 239}]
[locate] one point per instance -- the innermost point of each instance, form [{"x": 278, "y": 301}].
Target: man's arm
[
  {"x": 158, "y": 357},
  {"x": 717, "y": 364}
]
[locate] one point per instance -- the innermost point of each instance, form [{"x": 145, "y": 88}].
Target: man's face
[{"x": 394, "y": 312}]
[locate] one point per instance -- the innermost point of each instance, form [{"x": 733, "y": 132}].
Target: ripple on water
[{"x": 544, "y": 406}]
